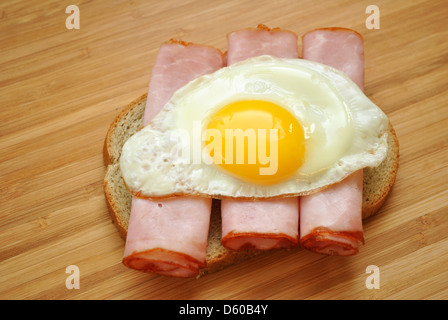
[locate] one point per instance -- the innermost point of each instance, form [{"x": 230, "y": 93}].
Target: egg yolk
[{"x": 257, "y": 141}]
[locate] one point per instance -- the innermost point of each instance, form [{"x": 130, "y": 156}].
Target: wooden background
[{"x": 60, "y": 89}]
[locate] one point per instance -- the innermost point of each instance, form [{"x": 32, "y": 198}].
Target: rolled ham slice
[
  {"x": 177, "y": 63},
  {"x": 249, "y": 43},
  {"x": 266, "y": 224},
  {"x": 260, "y": 225},
  {"x": 339, "y": 48},
  {"x": 331, "y": 220},
  {"x": 169, "y": 237}
]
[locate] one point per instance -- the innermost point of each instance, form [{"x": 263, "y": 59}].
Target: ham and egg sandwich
[{"x": 232, "y": 154}]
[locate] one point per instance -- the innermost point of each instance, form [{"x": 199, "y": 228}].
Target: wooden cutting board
[{"x": 60, "y": 89}]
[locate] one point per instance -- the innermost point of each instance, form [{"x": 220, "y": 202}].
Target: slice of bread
[{"x": 377, "y": 185}]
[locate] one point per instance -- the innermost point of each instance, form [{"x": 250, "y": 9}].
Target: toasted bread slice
[{"x": 377, "y": 185}]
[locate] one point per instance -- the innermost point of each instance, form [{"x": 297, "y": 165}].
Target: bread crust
[
  {"x": 388, "y": 169},
  {"x": 116, "y": 213},
  {"x": 111, "y": 132},
  {"x": 378, "y": 183}
]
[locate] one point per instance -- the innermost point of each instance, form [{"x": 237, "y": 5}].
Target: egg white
[{"x": 344, "y": 131}]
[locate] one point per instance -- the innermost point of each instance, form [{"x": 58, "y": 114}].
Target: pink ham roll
[
  {"x": 169, "y": 237},
  {"x": 250, "y": 43},
  {"x": 266, "y": 224},
  {"x": 331, "y": 220},
  {"x": 339, "y": 48}
]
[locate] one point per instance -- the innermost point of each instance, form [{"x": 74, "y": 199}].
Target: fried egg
[{"x": 261, "y": 128}]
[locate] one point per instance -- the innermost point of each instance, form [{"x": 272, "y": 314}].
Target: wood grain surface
[{"x": 60, "y": 89}]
